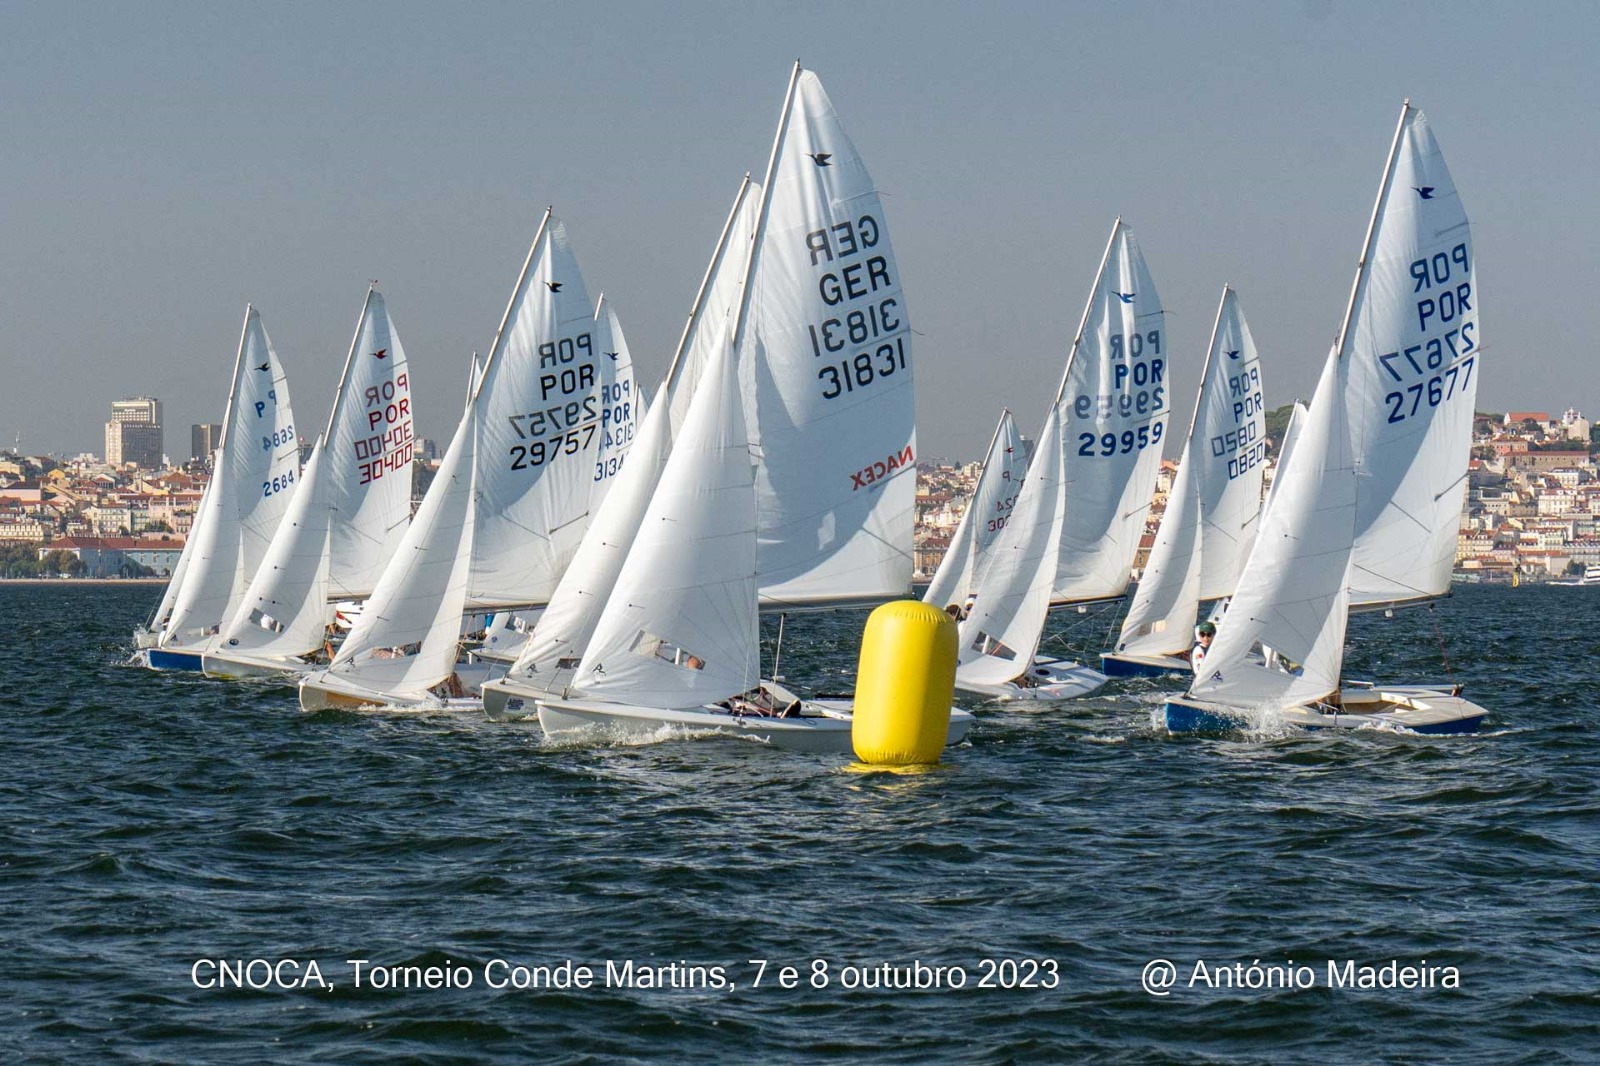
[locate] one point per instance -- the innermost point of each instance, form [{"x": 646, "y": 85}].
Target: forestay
[
  {"x": 966, "y": 561},
  {"x": 1215, "y": 502},
  {"x": 828, "y": 373},
  {"x": 1414, "y": 352},
  {"x": 254, "y": 472},
  {"x": 1113, "y": 405},
  {"x": 680, "y": 628}
]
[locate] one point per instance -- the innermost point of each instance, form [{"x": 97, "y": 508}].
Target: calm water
[{"x": 151, "y": 821}]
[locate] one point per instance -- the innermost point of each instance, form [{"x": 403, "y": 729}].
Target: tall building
[
  {"x": 134, "y": 433},
  {"x": 203, "y": 440}
]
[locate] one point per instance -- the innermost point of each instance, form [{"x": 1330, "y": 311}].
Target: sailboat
[
  {"x": 506, "y": 636},
  {"x": 1075, "y": 530},
  {"x": 254, "y": 472},
  {"x": 1212, "y": 511},
  {"x": 790, "y": 482},
  {"x": 550, "y": 656},
  {"x": 347, "y": 517},
  {"x": 522, "y": 471},
  {"x": 1365, "y": 515},
  {"x": 966, "y": 562}
]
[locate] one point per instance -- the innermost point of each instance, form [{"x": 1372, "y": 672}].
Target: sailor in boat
[
  {"x": 954, "y": 611},
  {"x": 1203, "y": 635}
]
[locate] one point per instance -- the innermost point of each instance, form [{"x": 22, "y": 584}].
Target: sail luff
[
  {"x": 516, "y": 292},
  {"x": 1363, "y": 267},
  {"x": 1088, "y": 309},
  {"x": 758, "y": 231}
]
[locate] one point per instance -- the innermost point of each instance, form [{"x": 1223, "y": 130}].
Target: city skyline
[{"x": 177, "y": 175}]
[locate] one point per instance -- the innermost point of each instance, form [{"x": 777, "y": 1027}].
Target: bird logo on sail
[
  {"x": 265, "y": 366},
  {"x": 822, "y": 159},
  {"x": 555, "y": 286},
  {"x": 612, "y": 356},
  {"x": 1424, "y": 191},
  {"x": 1233, "y": 354},
  {"x": 381, "y": 353},
  {"x": 1126, "y": 297}
]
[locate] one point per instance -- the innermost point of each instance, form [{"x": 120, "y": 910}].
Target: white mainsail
[
  {"x": 1212, "y": 511},
  {"x": 965, "y": 563},
  {"x": 257, "y": 463},
  {"x": 1001, "y": 633},
  {"x": 539, "y": 429},
  {"x": 564, "y": 630},
  {"x": 370, "y": 445},
  {"x": 1374, "y": 483},
  {"x": 1413, "y": 352},
  {"x": 680, "y": 628},
  {"x": 1113, "y": 406},
  {"x": 827, "y": 372}
]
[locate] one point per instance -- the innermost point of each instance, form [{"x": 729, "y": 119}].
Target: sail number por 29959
[
  {"x": 862, "y": 369},
  {"x": 1128, "y": 440}
]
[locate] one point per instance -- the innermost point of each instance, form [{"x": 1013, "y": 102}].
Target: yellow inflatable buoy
[{"x": 905, "y": 683}]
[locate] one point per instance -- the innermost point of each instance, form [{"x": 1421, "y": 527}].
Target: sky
[{"x": 163, "y": 164}]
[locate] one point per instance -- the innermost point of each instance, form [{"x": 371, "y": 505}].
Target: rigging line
[{"x": 1444, "y": 655}]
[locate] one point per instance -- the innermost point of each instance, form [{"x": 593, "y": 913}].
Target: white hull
[
  {"x": 822, "y": 729},
  {"x": 508, "y": 699},
  {"x": 1045, "y": 679},
  {"x": 233, "y": 665},
  {"x": 321, "y": 691},
  {"x": 1417, "y": 708}
]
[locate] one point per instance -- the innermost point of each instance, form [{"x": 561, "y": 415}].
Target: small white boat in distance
[{"x": 1591, "y": 576}]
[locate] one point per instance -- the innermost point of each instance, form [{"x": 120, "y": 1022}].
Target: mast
[
  {"x": 758, "y": 230},
  {"x": 1372, "y": 227},
  {"x": 705, "y": 285},
  {"x": 1094, "y": 290},
  {"x": 1205, "y": 368},
  {"x": 522, "y": 280},
  {"x": 344, "y": 376},
  {"x": 233, "y": 389}
]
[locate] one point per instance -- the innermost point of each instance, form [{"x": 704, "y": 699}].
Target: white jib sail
[
  {"x": 406, "y": 639},
  {"x": 1291, "y": 439},
  {"x": 564, "y": 630},
  {"x": 1113, "y": 401},
  {"x": 539, "y": 429},
  {"x": 1001, "y": 634},
  {"x": 965, "y": 563},
  {"x": 826, "y": 357},
  {"x": 169, "y": 598},
  {"x": 285, "y": 611},
  {"x": 680, "y": 628},
  {"x": 1215, "y": 503},
  {"x": 257, "y": 464},
  {"x": 1413, "y": 350},
  {"x": 1292, "y": 595},
  {"x": 370, "y": 445}
]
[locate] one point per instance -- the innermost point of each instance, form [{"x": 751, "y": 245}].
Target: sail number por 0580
[{"x": 862, "y": 369}]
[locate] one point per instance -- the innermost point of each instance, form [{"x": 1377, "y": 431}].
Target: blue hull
[
  {"x": 161, "y": 659},
  {"x": 1114, "y": 667}
]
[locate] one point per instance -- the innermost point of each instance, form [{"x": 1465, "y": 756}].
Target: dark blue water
[{"x": 152, "y": 821}]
